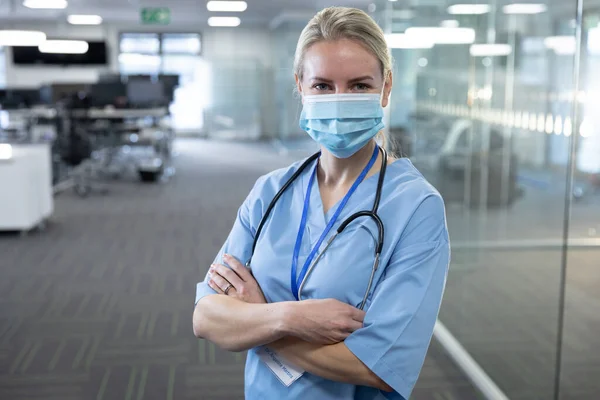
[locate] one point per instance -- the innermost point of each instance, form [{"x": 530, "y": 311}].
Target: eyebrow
[{"x": 360, "y": 78}]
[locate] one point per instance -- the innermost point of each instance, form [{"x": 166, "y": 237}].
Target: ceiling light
[
  {"x": 562, "y": 45},
  {"x": 402, "y": 41},
  {"x": 21, "y": 38},
  {"x": 586, "y": 129},
  {"x": 46, "y": 4},
  {"x": 469, "y": 9},
  {"x": 490, "y": 50},
  {"x": 84, "y": 19},
  {"x": 439, "y": 35},
  {"x": 6, "y": 151},
  {"x": 567, "y": 127},
  {"x": 449, "y": 23},
  {"x": 593, "y": 43},
  {"x": 64, "y": 47},
  {"x": 224, "y": 21},
  {"x": 519, "y": 8},
  {"x": 227, "y": 6}
]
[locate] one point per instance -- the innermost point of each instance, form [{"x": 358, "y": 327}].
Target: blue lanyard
[{"x": 295, "y": 282}]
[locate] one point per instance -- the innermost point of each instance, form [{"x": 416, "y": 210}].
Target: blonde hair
[{"x": 335, "y": 23}]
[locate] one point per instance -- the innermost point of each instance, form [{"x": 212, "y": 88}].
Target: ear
[
  {"x": 298, "y": 86},
  {"x": 387, "y": 89}
]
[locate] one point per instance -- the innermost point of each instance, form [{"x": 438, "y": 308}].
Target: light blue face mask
[{"x": 342, "y": 123}]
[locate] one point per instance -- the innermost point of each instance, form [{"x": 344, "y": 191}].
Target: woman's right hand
[{"x": 325, "y": 322}]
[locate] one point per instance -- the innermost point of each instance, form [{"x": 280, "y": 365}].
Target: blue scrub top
[{"x": 407, "y": 290}]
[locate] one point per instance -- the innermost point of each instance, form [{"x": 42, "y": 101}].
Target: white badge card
[{"x": 283, "y": 370}]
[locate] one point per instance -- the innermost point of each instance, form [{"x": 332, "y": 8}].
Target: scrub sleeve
[{"x": 402, "y": 314}]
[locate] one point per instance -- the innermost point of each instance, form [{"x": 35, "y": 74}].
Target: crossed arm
[
  {"x": 307, "y": 333},
  {"x": 334, "y": 362}
]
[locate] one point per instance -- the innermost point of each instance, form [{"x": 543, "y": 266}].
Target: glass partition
[
  {"x": 2, "y": 68},
  {"x": 495, "y": 104},
  {"x": 580, "y": 344}
]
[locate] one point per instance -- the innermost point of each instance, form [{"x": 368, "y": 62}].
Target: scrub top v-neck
[{"x": 407, "y": 288}]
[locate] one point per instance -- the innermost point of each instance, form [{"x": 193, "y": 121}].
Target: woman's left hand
[{"x": 236, "y": 281}]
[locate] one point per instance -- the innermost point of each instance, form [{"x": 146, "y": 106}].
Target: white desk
[
  {"x": 26, "y": 198},
  {"x": 118, "y": 113}
]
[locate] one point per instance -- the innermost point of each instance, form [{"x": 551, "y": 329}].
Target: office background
[{"x": 494, "y": 101}]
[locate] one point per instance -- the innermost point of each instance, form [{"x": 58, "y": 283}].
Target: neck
[{"x": 335, "y": 172}]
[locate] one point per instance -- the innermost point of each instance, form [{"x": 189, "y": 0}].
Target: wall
[
  {"x": 287, "y": 102},
  {"x": 242, "y": 82}
]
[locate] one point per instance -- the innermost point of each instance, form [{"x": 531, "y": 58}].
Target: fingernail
[{"x": 225, "y": 255}]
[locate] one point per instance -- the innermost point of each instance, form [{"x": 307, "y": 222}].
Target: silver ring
[{"x": 227, "y": 289}]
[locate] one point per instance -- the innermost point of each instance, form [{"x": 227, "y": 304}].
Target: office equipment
[
  {"x": 26, "y": 175},
  {"x": 107, "y": 93},
  {"x": 110, "y": 78},
  {"x": 27, "y": 55},
  {"x": 141, "y": 93},
  {"x": 170, "y": 83},
  {"x": 19, "y": 98},
  {"x": 52, "y": 94}
]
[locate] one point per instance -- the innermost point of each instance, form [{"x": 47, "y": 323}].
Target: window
[
  {"x": 145, "y": 43},
  {"x": 181, "y": 43},
  {"x": 155, "y": 53},
  {"x": 136, "y": 63},
  {"x": 169, "y": 53},
  {"x": 139, "y": 53}
]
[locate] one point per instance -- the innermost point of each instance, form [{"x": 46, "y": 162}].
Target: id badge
[{"x": 284, "y": 371}]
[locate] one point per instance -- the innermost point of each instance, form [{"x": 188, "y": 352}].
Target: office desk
[{"x": 26, "y": 198}]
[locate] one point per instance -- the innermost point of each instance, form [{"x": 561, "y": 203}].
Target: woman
[{"x": 306, "y": 333}]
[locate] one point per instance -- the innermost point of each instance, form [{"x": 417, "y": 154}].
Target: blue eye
[
  {"x": 321, "y": 86},
  {"x": 362, "y": 86}
]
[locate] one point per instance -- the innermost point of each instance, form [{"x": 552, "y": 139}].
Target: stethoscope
[{"x": 371, "y": 214}]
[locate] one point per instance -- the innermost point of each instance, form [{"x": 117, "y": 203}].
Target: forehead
[{"x": 340, "y": 59}]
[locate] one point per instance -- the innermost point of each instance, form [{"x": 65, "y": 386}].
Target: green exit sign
[{"x": 156, "y": 15}]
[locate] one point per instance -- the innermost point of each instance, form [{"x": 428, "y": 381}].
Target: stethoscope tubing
[
  {"x": 373, "y": 269},
  {"x": 371, "y": 214}
]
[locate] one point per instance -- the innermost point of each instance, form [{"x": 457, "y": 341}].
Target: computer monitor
[
  {"x": 19, "y": 98},
  {"x": 106, "y": 93},
  {"x": 141, "y": 77},
  {"x": 110, "y": 78},
  {"x": 52, "y": 94},
  {"x": 170, "y": 82},
  {"x": 144, "y": 93}
]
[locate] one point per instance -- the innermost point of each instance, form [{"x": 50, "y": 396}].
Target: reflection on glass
[
  {"x": 558, "y": 127},
  {"x": 491, "y": 126},
  {"x": 568, "y": 127},
  {"x": 2, "y": 68}
]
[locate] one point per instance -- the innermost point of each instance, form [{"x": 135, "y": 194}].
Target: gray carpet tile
[{"x": 503, "y": 307}]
